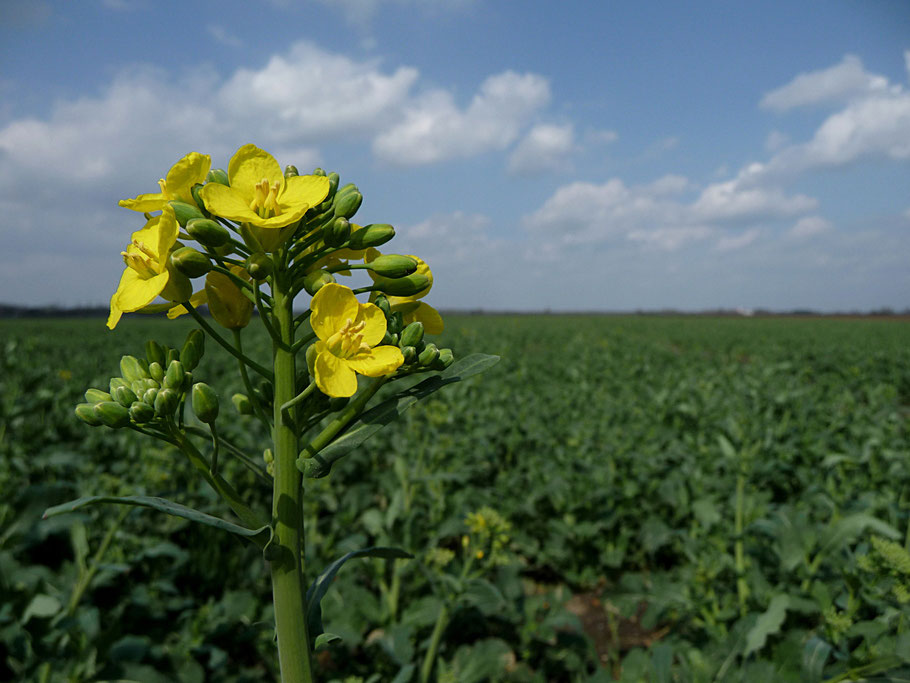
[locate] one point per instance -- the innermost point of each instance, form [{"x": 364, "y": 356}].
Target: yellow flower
[
  {"x": 178, "y": 184},
  {"x": 410, "y": 308},
  {"x": 147, "y": 273},
  {"x": 259, "y": 194},
  {"x": 348, "y": 332}
]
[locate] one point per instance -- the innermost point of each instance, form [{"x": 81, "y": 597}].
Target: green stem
[
  {"x": 244, "y": 375},
  {"x": 227, "y": 347},
  {"x": 353, "y": 409},
  {"x": 287, "y": 566},
  {"x": 86, "y": 579},
  {"x": 430, "y": 658},
  {"x": 742, "y": 588}
]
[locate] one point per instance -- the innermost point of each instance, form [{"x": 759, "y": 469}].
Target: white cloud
[
  {"x": 546, "y": 147},
  {"x": 807, "y": 227},
  {"x": 733, "y": 242},
  {"x": 838, "y": 83},
  {"x": 435, "y": 129},
  {"x": 776, "y": 140},
  {"x": 739, "y": 199},
  {"x": 670, "y": 239}
]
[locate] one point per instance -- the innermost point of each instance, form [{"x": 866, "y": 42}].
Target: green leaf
[
  {"x": 768, "y": 623},
  {"x": 323, "y": 640},
  {"x": 846, "y": 530},
  {"x": 258, "y": 536},
  {"x": 41, "y": 606},
  {"x": 483, "y": 595},
  {"x": 320, "y": 586},
  {"x": 815, "y": 654},
  {"x": 371, "y": 421}
]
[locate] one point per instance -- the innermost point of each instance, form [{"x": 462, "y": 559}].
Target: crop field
[{"x": 620, "y": 498}]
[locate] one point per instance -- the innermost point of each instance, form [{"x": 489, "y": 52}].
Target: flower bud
[
  {"x": 149, "y": 396},
  {"x": 412, "y": 334},
  {"x": 156, "y": 371},
  {"x": 191, "y": 262},
  {"x": 395, "y": 323},
  {"x": 86, "y": 413},
  {"x": 166, "y": 402},
  {"x": 196, "y": 191},
  {"x": 112, "y": 414},
  {"x": 290, "y": 171},
  {"x": 314, "y": 281},
  {"x": 131, "y": 369},
  {"x": 155, "y": 352},
  {"x": 404, "y": 286},
  {"x": 96, "y": 396},
  {"x": 347, "y": 204},
  {"x": 382, "y": 303},
  {"x": 124, "y": 396},
  {"x": 173, "y": 378},
  {"x": 334, "y": 179},
  {"x": 373, "y": 235},
  {"x": 227, "y": 304},
  {"x": 205, "y": 402},
  {"x": 336, "y": 232},
  {"x": 217, "y": 175},
  {"x": 445, "y": 359},
  {"x": 318, "y": 171},
  {"x": 207, "y": 232},
  {"x": 141, "y": 412},
  {"x": 170, "y": 354},
  {"x": 409, "y": 353},
  {"x": 260, "y": 266},
  {"x": 428, "y": 355},
  {"x": 193, "y": 348},
  {"x": 392, "y": 266},
  {"x": 242, "y": 404},
  {"x": 178, "y": 287},
  {"x": 266, "y": 391},
  {"x": 185, "y": 212}
]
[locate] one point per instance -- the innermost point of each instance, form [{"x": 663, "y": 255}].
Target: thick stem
[
  {"x": 441, "y": 622},
  {"x": 288, "y": 591}
]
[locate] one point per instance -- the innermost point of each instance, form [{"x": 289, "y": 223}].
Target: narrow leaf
[{"x": 768, "y": 623}]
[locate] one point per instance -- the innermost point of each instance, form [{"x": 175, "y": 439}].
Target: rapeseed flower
[
  {"x": 348, "y": 333},
  {"x": 177, "y": 185}
]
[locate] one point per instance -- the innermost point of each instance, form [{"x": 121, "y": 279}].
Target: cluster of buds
[{"x": 418, "y": 354}]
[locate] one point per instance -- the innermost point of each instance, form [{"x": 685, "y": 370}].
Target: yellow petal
[
  {"x": 382, "y": 360},
  {"x": 429, "y": 316},
  {"x": 333, "y": 376},
  {"x": 190, "y": 170},
  {"x": 134, "y": 291},
  {"x": 167, "y": 234},
  {"x": 332, "y": 306},
  {"x": 374, "y": 323},
  {"x": 249, "y": 166},
  {"x": 145, "y": 202},
  {"x": 228, "y": 202},
  {"x": 304, "y": 190},
  {"x": 198, "y": 299},
  {"x": 114, "y": 317}
]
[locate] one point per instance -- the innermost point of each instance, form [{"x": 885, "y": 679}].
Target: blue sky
[{"x": 570, "y": 156}]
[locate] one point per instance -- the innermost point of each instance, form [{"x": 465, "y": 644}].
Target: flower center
[
  {"x": 265, "y": 198},
  {"x": 348, "y": 341},
  {"x": 141, "y": 259}
]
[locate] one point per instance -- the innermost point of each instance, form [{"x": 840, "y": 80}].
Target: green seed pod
[
  {"x": 112, "y": 414},
  {"x": 409, "y": 353},
  {"x": 336, "y": 232},
  {"x": 412, "y": 334},
  {"x": 445, "y": 359},
  {"x": 347, "y": 204},
  {"x": 193, "y": 349},
  {"x": 131, "y": 369},
  {"x": 141, "y": 412},
  {"x": 208, "y": 232},
  {"x": 86, "y": 413},
  {"x": 185, "y": 212},
  {"x": 205, "y": 402},
  {"x": 97, "y": 396},
  {"x": 382, "y": 302},
  {"x": 191, "y": 262},
  {"x": 149, "y": 396},
  {"x": 392, "y": 265},
  {"x": 373, "y": 235},
  {"x": 314, "y": 281},
  {"x": 166, "y": 402},
  {"x": 173, "y": 378},
  {"x": 290, "y": 171},
  {"x": 217, "y": 175},
  {"x": 406, "y": 286},
  {"x": 242, "y": 404},
  {"x": 155, "y": 352},
  {"x": 157, "y": 372},
  {"x": 124, "y": 396},
  {"x": 428, "y": 355},
  {"x": 260, "y": 266}
]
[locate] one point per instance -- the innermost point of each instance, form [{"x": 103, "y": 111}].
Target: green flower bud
[
  {"x": 205, "y": 402},
  {"x": 187, "y": 382},
  {"x": 97, "y": 396},
  {"x": 157, "y": 372},
  {"x": 112, "y": 414},
  {"x": 191, "y": 262},
  {"x": 155, "y": 352},
  {"x": 173, "y": 378},
  {"x": 166, "y": 402},
  {"x": 117, "y": 382},
  {"x": 172, "y": 355},
  {"x": 405, "y": 286},
  {"x": 131, "y": 368},
  {"x": 347, "y": 204},
  {"x": 336, "y": 232},
  {"x": 389, "y": 339},
  {"x": 217, "y": 175},
  {"x": 393, "y": 265},
  {"x": 86, "y": 413},
  {"x": 382, "y": 303},
  {"x": 260, "y": 266},
  {"x": 266, "y": 391},
  {"x": 428, "y": 355},
  {"x": 334, "y": 179},
  {"x": 290, "y": 171},
  {"x": 373, "y": 235},
  {"x": 178, "y": 287},
  {"x": 141, "y": 412},
  {"x": 207, "y": 232},
  {"x": 395, "y": 323},
  {"x": 124, "y": 396},
  {"x": 412, "y": 334},
  {"x": 242, "y": 404},
  {"x": 445, "y": 359},
  {"x": 193, "y": 348},
  {"x": 149, "y": 396},
  {"x": 318, "y": 171},
  {"x": 409, "y": 353},
  {"x": 196, "y": 191},
  {"x": 185, "y": 212},
  {"x": 314, "y": 281}
]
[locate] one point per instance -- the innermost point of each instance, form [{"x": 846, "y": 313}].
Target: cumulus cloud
[
  {"x": 546, "y": 147},
  {"x": 838, "y": 83},
  {"x": 733, "y": 242},
  {"x": 809, "y": 226},
  {"x": 435, "y": 129},
  {"x": 737, "y": 199}
]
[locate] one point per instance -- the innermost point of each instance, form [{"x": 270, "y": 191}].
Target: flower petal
[
  {"x": 190, "y": 170},
  {"x": 303, "y": 190},
  {"x": 167, "y": 234},
  {"x": 429, "y": 316},
  {"x": 198, "y": 299},
  {"x": 249, "y": 166},
  {"x": 145, "y": 202},
  {"x": 333, "y": 376},
  {"x": 134, "y": 291},
  {"x": 332, "y": 305},
  {"x": 382, "y": 360},
  {"x": 228, "y": 202},
  {"x": 374, "y": 323}
]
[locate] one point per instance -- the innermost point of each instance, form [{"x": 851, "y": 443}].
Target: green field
[{"x": 654, "y": 499}]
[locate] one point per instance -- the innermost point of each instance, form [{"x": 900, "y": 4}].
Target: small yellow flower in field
[
  {"x": 259, "y": 194},
  {"x": 147, "y": 274},
  {"x": 178, "y": 184},
  {"x": 348, "y": 332},
  {"x": 410, "y": 308}
]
